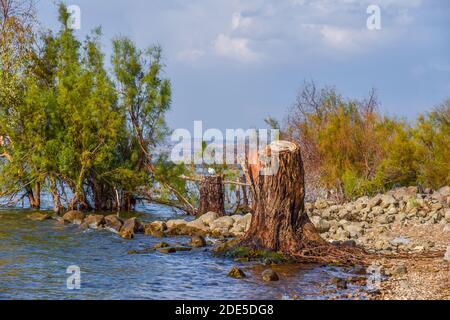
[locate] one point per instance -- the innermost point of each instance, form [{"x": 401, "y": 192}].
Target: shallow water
[{"x": 34, "y": 257}]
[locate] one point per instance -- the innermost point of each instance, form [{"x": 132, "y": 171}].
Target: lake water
[{"x": 34, "y": 257}]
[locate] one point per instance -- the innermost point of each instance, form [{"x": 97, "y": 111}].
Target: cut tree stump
[
  {"x": 211, "y": 195},
  {"x": 280, "y": 222}
]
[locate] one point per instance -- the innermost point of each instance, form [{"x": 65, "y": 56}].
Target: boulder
[
  {"x": 375, "y": 201},
  {"x": 237, "y": 230},
  {"x": 94, "y": 221},
  {"x": 387, "y": 201},
  {"x": 113, "y": 223},
  {"x": 225, "y": 222},
  {"x": 175, "y": 223},
  {"x": 37, "y": 216},
  {"x": 155, "y": 229},
  {"x": 74, "y": 216},
  {"x": 376, "y": 211},
  {"x": 321, "y": 204},
  {"x": 208, "y": 217},
  {"x": 198, "y": 224},
  {"x": 270, "y": 275},
  {"x": 321, "y": 225},
  {"x": 129, "y": 228},
  {"x": 355, "y": 230},
  {"x": 197, "y": 242},
  {"x": 237, "y": 273},
  {"x": 159, "y": 225},
  {"x": 184, "y": 230}
]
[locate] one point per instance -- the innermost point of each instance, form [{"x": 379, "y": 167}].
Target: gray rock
[
  {"x": 376, "y": 211},
  {"x": 225, "y": 222},
  {"x": 355, "y": 230},
  {"x": 321, "y": 204},
  {"x": 387, "y": 200},
  {"x": 321, "y": 225},
  {"x": 400, "y": 241},
  {"x": 375, "y": 201}
]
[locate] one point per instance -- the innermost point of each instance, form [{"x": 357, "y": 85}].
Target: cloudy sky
[{"x": 234, "y": 62}]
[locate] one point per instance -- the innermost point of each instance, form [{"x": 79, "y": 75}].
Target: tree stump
[
  {"x": 280, "y": 222},
  {"x": 211, "y": 195}
]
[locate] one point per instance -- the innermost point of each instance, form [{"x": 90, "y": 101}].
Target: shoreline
[{"x": 410, "y": 230}]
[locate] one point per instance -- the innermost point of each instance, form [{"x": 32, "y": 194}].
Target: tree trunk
[
  {"x": 280, "y": 222},
  {"x": 34, "y": 197},
  {"x": 211, "y": 195}
]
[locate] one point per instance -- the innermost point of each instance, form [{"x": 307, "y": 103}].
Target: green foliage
[
  {"x": 356, "y": 151},
  {"x": 65, "y": 122},
  {"x": 242, "y": 252}
]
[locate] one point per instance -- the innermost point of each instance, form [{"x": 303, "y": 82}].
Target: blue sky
[{"x": 234, "y": 62}]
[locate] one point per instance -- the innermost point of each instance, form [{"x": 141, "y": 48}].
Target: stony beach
[{"x": 408, "y": 230}]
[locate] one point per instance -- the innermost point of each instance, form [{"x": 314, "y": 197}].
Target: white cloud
[
  {"x": 235, "y": 48},
  {"x": 240, "y": 22},
  {"x": 339, "y": 37},
  {"x": 190, "y": 55}
]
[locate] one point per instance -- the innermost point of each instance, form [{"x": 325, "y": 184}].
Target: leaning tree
[{"x": 280, "y": 222}]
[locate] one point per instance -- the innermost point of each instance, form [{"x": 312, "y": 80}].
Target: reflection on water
[{"x": 34, "y": 257}]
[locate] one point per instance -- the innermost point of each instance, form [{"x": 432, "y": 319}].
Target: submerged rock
[
  {"x": 94, "y": 221},
  {"x": 197, "y": 242},
  {"x": 173, "y": 249},
  {"x": 270, "y": 275},
  {"x": 113, "y": 223},
  {"x": 155, "y": 229},
  {"x": 340, "y": 283},
  {"x": 161, "y": 245},
  {"x": 129, "y": 228},
  {"x": 37, "y": 216},
  {"x": 236, "y": 273},
  {"x": 74, "y": 216}
]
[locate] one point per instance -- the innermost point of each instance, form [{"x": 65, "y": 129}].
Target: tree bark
[
  {"x": 211, "y": 195},
  {"x": 280, "y": 222},
  {"x": 34, "y": 196}
]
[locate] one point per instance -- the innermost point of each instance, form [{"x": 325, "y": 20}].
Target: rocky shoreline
[{"x": 410, "y": 229}]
